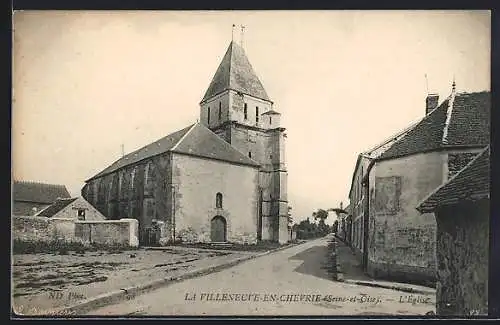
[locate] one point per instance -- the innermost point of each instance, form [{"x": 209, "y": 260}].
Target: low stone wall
[
  {"x": 105, "y": 232},
  {"x": 29, "y": 228},
  {"x": 108, "y": 232}
]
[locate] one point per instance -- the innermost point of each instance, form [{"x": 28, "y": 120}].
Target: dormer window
[{"x": 245, "y": 111}]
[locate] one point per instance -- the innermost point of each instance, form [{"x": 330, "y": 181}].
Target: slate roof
[
  {"x": 464, "y": 123},
  {"x": 38, "y": 192},
  {"x": 196, "y": 140},
  {"x": 160, "y": 146},
  {"x": 235, "y": 72},
  {"x": 55, "y": 207},
  {"x": 472, "y": 182}
]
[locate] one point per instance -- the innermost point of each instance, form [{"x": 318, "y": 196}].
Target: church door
[{"x": 218, "y": 229}]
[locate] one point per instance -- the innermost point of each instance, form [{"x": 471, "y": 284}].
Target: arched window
[
  {"x": 208, "y": 119},
  {"x": 245, "y": 111},
  {"x": 218, "y": 200},
  {"x": 220, "y": 111}
]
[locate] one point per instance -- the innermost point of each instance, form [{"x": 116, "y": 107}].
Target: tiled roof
[
  {"x": 160, "y": 146},
  {"x": 38, "y": 192},
  {"x": 196, "y": 140},
  {"x": 55, "y": 207},
  {"x": 235, "y": 72},
  {"x": 472, "y": 182},
  {"x": 202, "y": 142},
  {"x": 465, "y": 123}
]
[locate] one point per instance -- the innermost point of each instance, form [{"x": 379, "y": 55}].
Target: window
[
  {"x": 256, "y": 114},
  {"x": 245, "y": 111},
  {"x": 81, "y": 214},
  {"x": 218, "y": 200},
  {"x": 208, "y": 119},
  {"x": 270, "y": 120},
  {"x": 220, "y": 111},
  {"x": 250, "y": 154}
]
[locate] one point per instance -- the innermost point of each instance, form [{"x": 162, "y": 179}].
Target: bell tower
[{"x": 237, "y": 108}]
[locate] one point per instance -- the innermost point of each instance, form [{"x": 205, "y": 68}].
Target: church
[{"x": 222, "y": 179}]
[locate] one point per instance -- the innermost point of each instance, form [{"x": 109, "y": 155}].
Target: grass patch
[
  {"x": 60, "y": 247},
  {"x": 37, "y": 247}
]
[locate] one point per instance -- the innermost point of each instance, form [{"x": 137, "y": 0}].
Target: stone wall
[
  {"x": 43, "y": 229},
  {"x": 267, "y": 148},
  {"x": 197, "y": 181},
  {"x": 142, "y": 191},
  {"x": 462, "y": 259},
  {"x": 213, "y": 103},
  {"x": 401, "y": 240},
  {"x": 110, "y": 232}
]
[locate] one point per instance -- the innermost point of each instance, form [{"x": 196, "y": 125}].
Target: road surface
[{"x": 288, "y": 282}]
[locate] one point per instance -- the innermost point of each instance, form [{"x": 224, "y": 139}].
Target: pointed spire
[
  {"x": 453, "y": 85},
  {"x": 236, "y": 73},
  {"x": 232, "y": 32}
]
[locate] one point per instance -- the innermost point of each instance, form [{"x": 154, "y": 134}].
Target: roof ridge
[
  {"x": 184, "y": 136},
  {"x": 37, "y": 182},
  {"x": 449, "y": 111},
  {"x": 394, "y": 137},
  {"x": 225, "y": 144},
  {"x": 230, "y": 64}
]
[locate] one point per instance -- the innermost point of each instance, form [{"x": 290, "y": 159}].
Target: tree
[{"x": 320, "y": 215}]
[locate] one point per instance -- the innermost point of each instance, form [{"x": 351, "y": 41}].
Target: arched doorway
[{"x": 218, "y": 229}]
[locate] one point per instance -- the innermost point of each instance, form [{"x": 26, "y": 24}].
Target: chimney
[{"x": 431, "y": 102}]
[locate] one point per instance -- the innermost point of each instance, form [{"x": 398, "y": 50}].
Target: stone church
[{"x": 223, "y": 179}]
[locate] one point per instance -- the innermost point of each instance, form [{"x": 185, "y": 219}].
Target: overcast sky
[{"x": 85, "y": 83}]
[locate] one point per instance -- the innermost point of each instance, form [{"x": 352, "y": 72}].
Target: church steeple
[
  {"x": 236, "y": 73},
  {"x": 236, "y": 94}
]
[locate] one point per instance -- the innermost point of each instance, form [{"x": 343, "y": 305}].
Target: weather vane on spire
[
  {"x": 242, "y": 32},
  {"x": 453, "y": 85}
]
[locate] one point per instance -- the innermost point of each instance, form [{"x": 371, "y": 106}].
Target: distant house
[
  {"x": 342, "y": 230},
  {"x": 358, "y": 213},
  {"x": 462, "y": 210},
  {"x": 395, "y": 239},
  {"x": 31, "y": 197},
  {"x": 73, "y": 208}
]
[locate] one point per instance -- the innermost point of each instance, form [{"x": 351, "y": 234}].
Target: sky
[{"x": 85, "y": 83}]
